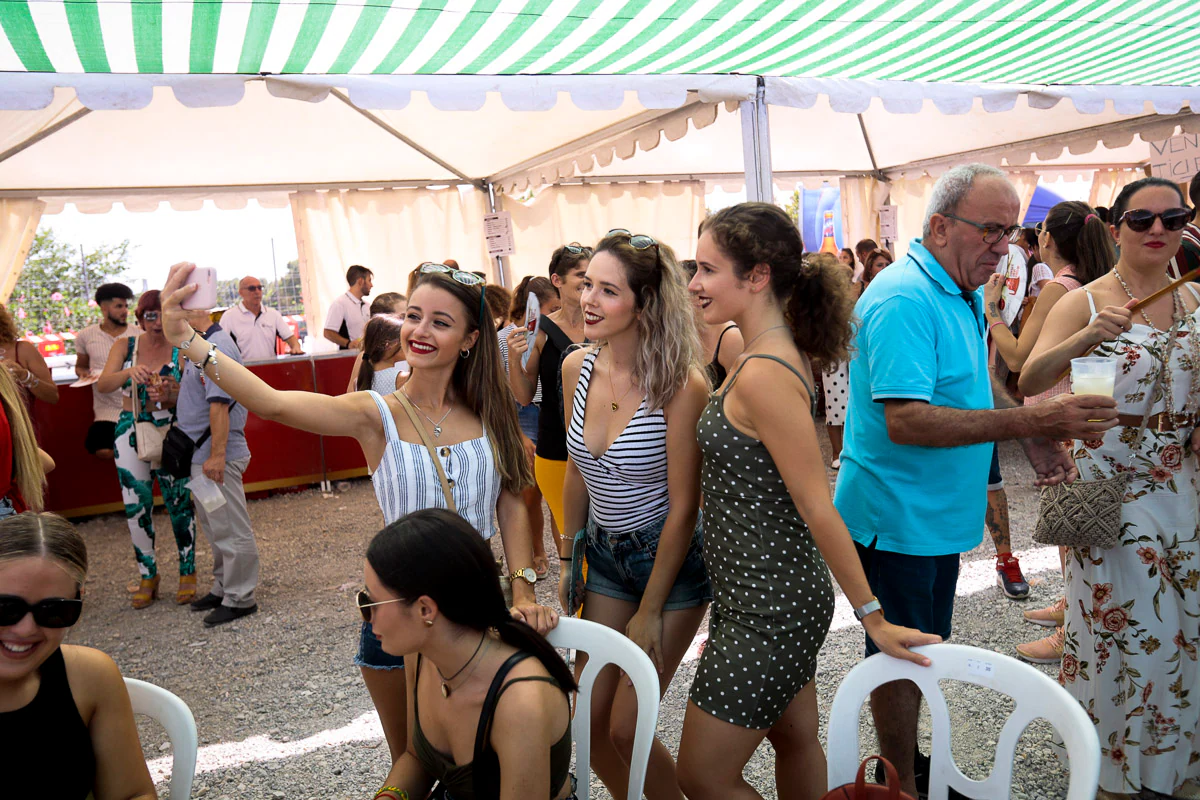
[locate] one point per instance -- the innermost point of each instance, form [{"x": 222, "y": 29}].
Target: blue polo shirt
[{"x": 920, "y": 337}]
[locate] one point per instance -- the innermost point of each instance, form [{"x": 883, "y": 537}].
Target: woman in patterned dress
[
  {"x": 771, "y": 533},
  {"x": 1133, "y": 610}
]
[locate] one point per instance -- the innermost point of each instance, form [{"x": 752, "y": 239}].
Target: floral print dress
[{"x": 1133, "y": 611}]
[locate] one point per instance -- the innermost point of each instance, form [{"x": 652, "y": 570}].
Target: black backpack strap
[{"x": 485, "y": 721}]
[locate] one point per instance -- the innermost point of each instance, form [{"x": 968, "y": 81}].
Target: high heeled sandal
[
  {"x": 147, "y": 592},
  {"x": 187, "y": 590}
]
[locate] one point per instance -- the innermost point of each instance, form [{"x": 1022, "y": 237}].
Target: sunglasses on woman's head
[
  {"x": 365, "y": 605},
  {"x": 638, "y": 241},
  {"x": 55, "y": 612},
  {"x": 1140, "y": 220},
  {"x": 465, "y": 278},
  {"x": 575, "y": 249}
]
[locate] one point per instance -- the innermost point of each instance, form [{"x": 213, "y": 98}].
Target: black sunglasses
[
  {"x": 1140, "y": 220},
  {"x": 638, "y": 241},
  {"x": 55, "y": 612},
  {"x": 253, "y": 288},
  {"x": 363, "y": 600}
]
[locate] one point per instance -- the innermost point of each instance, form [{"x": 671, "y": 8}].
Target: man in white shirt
[
  {"x": 92, "y": 345},
  {"x": 349, "y": 313},
  {"x": 254, "y": 326}
]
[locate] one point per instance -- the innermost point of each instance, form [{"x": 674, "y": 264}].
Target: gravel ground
[{"x": 282, "y": 712}]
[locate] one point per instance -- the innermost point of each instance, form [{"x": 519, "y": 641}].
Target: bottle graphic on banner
[{"x": 828, "y": 244}]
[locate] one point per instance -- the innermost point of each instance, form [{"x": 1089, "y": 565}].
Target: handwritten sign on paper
[{"x": 1177, "y": 159}]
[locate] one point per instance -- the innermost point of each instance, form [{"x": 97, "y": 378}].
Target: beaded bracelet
[{"x": 398, "y": 793}]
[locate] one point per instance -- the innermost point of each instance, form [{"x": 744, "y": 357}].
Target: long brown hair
[
  {"x": 668, "y": 343},
  {"x": 479, "y": 382},
  {"x": 27, "y": 464},
  {"x": 541, "y": 287},
  {"x": 814, "y": 290},
  {"x": 8, "y": 327},
  {"x": 380, "y": 337}
]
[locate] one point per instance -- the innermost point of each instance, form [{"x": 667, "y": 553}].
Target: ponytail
[
  {"x": 1082, "y": 238},
  {"x": 813, "y": 290},
  {"x": 517, "y": 634},
  {"x": 516, "y": 312},
  {"x": 381, "y": 337}
]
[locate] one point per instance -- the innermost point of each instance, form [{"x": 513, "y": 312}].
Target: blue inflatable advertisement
[{"x": 821, "y": 219}]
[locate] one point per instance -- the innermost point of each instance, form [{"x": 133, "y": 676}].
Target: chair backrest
[
  {"x": 1036, "y": 697},
  {"x": 174, "y": 715},
  {"x": 606, "y": 646}
]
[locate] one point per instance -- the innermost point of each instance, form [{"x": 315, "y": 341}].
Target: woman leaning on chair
[
  {"x": 770, "y": 527},
  {"x": 632, "y": 489},
  {"x": 458, "y": 401},
  {"x": 66, "y": 723},
  {"x": 1133, "y": 610},
  {"x": 488, "y": 709}
]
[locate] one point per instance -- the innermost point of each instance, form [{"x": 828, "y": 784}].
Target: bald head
[{"x": 251, "y": 290}]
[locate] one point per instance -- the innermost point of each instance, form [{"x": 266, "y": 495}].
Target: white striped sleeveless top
[
  {"x": 627, "y": 485},
  {"x": 406, "y": 480}
]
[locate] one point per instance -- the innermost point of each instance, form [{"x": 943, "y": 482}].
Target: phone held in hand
[{"x": 205, "y": 295}]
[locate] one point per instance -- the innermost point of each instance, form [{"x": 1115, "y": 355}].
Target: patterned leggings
[{"x": 137, "y": 490}]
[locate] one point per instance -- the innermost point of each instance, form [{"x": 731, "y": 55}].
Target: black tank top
[
  {"x": 552, "y": 432},
  {"x": 48, "y": 737}
]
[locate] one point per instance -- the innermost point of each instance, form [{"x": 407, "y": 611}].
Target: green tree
[
  {"x": 55, "y": 290},
  {"x": 792, "y": 207}
]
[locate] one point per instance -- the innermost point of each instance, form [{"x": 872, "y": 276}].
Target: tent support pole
[
  {"x": 43, "y": 134},
  {"x": 431, "y": 156},
  {"x": 877, "y": 173},
  {"x": 501, "y": 265},
  {"x": 756, "y": 146}
]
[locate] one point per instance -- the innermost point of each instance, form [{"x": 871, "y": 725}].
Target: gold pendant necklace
[{"x": 616, "y": 402}]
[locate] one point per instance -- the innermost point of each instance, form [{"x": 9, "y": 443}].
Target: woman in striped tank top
[
  {"x": 632, "y": 488},
  {"x": 465, "y": 407}
]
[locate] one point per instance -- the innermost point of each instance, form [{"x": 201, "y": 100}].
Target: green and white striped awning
[{"x": 1036, "y": 42}]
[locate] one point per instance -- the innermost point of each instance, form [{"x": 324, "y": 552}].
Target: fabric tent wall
[
  {"x": 861, "y": 199},
  {"x": 670, "y": 212},
  {"x": 1108, "y": 184},
  {"x": 18, "y": 225},
  {"x": 389, "y": 231}
]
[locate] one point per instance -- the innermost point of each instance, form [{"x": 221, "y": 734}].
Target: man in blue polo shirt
[{"x": 921, "y": 422}]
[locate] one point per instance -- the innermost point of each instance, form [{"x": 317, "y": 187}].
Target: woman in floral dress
[{"x": 1133, "y": 610}]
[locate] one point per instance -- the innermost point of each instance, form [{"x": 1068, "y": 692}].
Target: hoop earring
[{"x": 464, "y": 354}]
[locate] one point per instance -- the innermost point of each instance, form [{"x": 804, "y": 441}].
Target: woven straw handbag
[{"x": 1088, "y": 513}]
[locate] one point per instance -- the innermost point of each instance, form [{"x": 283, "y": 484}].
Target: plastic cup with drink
[{"x": 1097, "y": 376}]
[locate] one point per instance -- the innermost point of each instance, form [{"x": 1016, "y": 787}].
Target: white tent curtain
[
  {"x": 18, "y": 225},
  {"x": 670, "y": 212},
  {"x": 1107, "y": 184},
  {"x": 1025, "y": 183},
  {"x": 910, "y": 196},
  {"x": 389, "y": 231},
  {"x": 861, "y": 199}
]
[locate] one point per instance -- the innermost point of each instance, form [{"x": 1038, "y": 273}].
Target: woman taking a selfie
[{"x": 458, "y": 398}]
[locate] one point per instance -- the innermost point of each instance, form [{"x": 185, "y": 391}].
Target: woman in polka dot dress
[{"x": 770, "y": 525}]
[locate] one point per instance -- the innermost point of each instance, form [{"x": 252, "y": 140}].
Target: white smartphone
[{"x": 206, "y": 295}]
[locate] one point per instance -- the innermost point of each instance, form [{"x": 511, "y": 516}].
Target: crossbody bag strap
[
  {"x": 407, "y": 405},
  {"x": 139, "y": 407},
  {"x": 1166, "y": 365}
]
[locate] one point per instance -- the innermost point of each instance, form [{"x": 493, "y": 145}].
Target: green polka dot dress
[{"x": 772, "y": 595}]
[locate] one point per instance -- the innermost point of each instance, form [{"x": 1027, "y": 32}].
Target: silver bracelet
[
  {"x": 211, "y": 358},
  {"x": 188, "y": 344}
]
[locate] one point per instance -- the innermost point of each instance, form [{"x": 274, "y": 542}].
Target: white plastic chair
[
  {"x": 1036, "y": 697},
  {"x": 174, "y": 715},
  {"x": 606, "y": 646}
]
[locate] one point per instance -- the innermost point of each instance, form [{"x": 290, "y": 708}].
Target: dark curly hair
[{"x": 814, "y": 290}]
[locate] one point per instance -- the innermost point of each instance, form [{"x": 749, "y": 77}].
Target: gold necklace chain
[
  {"x": 616, "y": 401},
  {"x": 746, "y": 347}
]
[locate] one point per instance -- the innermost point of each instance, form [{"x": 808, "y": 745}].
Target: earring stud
[{"x": 428, "y": 623}]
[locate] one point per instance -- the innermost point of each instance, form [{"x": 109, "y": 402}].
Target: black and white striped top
[{"x": 627, "y": 485}]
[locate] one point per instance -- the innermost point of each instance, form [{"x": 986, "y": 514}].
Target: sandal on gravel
[
  {"x": 147, "y": 592},
  {"x": 187, "y": 590}
]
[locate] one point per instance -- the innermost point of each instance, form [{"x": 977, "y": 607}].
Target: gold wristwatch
[{"x": 527, "y": 575}]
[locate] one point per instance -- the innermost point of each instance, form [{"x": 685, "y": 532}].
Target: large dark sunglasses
[
  {"x": 638, "y": 241},
  {"x": 365, "y": 605},
  {"x": 1140, "y": 220},
  {"x": 55, "y": 612},
  {"x": 991, "y": 233}
]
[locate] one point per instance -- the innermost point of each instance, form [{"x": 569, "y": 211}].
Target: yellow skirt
[{"x": 550, "y": 476}]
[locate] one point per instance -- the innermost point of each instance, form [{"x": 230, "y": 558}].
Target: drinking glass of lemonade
[{"x": 1093, "y": 376}]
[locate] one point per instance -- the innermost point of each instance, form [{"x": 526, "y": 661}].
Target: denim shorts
[
  {"x": 528, "y": 417},
  {"x": 371, "y": 654},
  {"x": 619, "y": 565},
  {"x": 995, "y": 479}
]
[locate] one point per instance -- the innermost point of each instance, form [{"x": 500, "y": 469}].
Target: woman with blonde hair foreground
[{"x": 66, "y": 723}]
